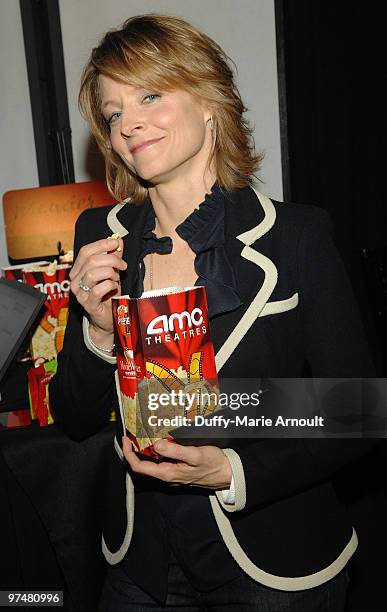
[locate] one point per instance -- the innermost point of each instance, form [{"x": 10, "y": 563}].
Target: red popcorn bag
[
  {"x": 16, "y": 272},
  {"x": 38, "y": 379},
  {"x": 165, "y": 362},
  {"x": 53, "y": 280}
]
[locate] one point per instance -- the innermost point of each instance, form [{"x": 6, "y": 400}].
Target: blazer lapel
[
  {"x": 128, "y": 221},
  {"x": 265, "y": 212}
]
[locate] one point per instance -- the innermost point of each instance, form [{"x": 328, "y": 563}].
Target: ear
[
  {"x": 208, "y": 116},
  {"x": 208, "y": 112}
]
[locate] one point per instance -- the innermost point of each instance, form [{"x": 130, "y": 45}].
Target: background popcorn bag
[
  {"x": 38, "y": 379},
  {"x": 46, "y": 339},
  {"x": 53, "y": 280},
  {"x": 163, "y": 345},
  {"x": 16, "y": 272},
  {"x": 47, "y": 336}
]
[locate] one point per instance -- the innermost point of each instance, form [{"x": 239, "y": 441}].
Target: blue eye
[
  {"x": 112, "y": 118},
  {"x": 151, "y": 97}
]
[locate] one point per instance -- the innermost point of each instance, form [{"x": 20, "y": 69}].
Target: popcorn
[
  {"x": 115, "y": 236},
  {"x": 16, "y": 272},
  {"x": 67, "y": 257}
]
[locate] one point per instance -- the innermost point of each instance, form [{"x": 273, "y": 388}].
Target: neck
[{"x": 175, "y": 200}]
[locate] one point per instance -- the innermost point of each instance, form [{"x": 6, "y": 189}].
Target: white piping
[
  {"x": 93, "y": 348},
  {"x": 282, "y": 583},
  {"x": 238, "y": 481},
  {"x": 116, "y": 557},
  {"x": 118, "y": 449},
  {"x": 253, "y": 311},
  {"x": 266, "y": 224},
  {"x": 113, "y": 223},
  {"x": 279, "y": 306},
  {"x": 268, "y": 285}
]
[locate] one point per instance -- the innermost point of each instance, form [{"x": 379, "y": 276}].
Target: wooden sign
[{"x": 37, "y": 219}]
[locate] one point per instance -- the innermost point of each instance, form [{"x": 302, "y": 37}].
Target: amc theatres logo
[
  {"x": 165, "y": 323},
  {"x": 53, "y": 288}
]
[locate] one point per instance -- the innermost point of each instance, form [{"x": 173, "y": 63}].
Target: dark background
[
  {"x": 331, "y": 69},
  {"x": 333, "y": 124}
]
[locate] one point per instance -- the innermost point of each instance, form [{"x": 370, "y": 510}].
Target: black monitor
[{"x": 19, "y": 306}]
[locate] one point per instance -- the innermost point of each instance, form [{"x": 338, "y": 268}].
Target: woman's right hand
[{"x": 97, "y": 267}]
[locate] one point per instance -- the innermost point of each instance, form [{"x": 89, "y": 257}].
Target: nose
[{"x": 131, "y": 124}]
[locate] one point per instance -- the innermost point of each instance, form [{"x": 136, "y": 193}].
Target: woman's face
[{"x": 158, "y": 135}]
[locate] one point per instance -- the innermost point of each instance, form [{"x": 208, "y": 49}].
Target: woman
[{"x": 257, "y": 526}]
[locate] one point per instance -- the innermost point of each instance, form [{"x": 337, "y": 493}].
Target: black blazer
[{"x": 287, "y": 529}]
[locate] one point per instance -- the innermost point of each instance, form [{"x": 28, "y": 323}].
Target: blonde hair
[{"x": 168, "y": 53}]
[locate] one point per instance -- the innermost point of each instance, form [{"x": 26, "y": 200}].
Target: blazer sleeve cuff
[
  {"x": 239, "y": 482},
  {"x": 93, "y": 349},
  {"x": 229, "y": 494}
]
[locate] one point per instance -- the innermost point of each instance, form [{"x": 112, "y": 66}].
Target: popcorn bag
[
  {"x": 47, "y": 339},
  {"x": 38, "y": 380},
  {"x": 16, "y": 272},
  {"x": 165, "y": 362}
]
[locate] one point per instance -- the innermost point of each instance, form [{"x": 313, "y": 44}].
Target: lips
[{"x": 143, "y": 145}]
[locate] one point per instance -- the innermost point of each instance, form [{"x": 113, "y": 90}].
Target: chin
[{"x": 156, "y": 176}]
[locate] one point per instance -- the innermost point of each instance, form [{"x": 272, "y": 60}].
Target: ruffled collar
[{"x": 203, "y": 230}]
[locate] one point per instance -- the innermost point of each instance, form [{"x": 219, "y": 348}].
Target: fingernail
[{"x": 160, "y": 445}]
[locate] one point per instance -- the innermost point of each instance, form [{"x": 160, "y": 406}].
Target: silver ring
[{"x": 84, "y": 287}]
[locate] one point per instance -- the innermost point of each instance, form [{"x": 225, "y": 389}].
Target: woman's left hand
[{"x": 201, "y": 466}]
